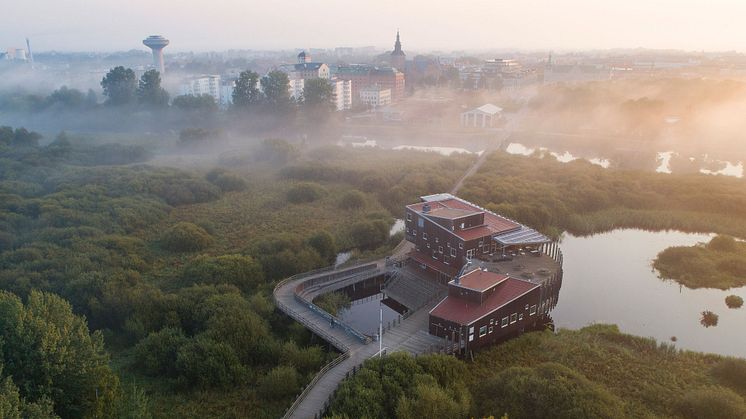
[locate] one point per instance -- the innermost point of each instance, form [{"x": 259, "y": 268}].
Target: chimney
[{"x": 426, "y": 208}]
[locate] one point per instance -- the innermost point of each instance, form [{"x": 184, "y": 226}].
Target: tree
[
  {"x": 275, "y": 88},
  {"x": 150, "y": 92},
  {"x": 120, "y": 86},
  {"x": 242, "y": 271},
  {"x": 246, "y": 92},
  {"x": 206, "y": 363},
  {"x": 550, "y": 390},
  {"x": 49, "y": 353},
  {"x": 185, "y": 237},
  {"x": 201, "y": 103},
  {"x": 318, "y": 94},
  {"x": 323, "y": 242},
  {"x": 66, "y": 98}
]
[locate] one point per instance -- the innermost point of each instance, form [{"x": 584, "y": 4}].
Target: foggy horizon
[{"x": 479, "y": 26}]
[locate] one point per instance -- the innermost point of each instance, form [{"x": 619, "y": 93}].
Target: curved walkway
[{"x": 410, "y": 335}]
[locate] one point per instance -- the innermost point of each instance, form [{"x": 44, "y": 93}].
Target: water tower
[{"x": 157, "y": 43}]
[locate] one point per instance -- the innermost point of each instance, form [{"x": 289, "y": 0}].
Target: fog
[{"x": 192, "y": 25}]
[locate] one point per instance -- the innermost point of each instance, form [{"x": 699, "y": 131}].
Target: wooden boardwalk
[{"x": 409, "y": 335}]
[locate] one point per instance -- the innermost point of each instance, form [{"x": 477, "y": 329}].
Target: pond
[
  {"x": 367, "y": 301},
  {"x": 608, "y": 278}
]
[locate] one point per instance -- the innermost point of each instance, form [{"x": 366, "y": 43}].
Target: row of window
[{"x": 513, "y": 318}]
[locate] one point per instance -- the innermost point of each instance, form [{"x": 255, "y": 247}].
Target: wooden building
[{"x": 483, "y": 308}]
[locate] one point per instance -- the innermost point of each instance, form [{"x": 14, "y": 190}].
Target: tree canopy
[
  {"x": 150, "y": 92},
  {"x": 120, "y": 86}
]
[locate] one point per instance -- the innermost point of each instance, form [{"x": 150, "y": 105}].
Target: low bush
[{"x": 185, "y": 237}]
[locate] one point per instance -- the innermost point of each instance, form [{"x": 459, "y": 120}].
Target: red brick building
[{"x": 484, "y": 307}]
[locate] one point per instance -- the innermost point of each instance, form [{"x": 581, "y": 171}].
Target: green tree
[
  {"x": 275, "y": 88},
  {"x": 185, "y": 237},
  {"x": 50, "y": 354},
  {"x": 156, "y": 354},
  {"x": 323, "y": 242},
  {"x": 318, "y": 94},
  {"x": 120, "y": 86},
  {"x": 242, "y": 271},
  {"x": 206, "y": 363},
  {"x": 66, "y": 98},
  {"x": 201, "y": 103},
  {"x": 280, "y": 382},
  {"x": 149, "y": 90},
  {"x": 246, "y": 91},
  {"x": 548, "y": 391}
]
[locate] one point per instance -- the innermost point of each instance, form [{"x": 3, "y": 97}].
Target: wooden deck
[{"x": 409, "y": 335}]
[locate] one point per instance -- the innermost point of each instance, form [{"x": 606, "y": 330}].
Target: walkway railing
[{"x": 298, "y": 400}]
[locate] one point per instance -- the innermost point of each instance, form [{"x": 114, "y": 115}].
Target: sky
[{"x": 199, "y": 25}]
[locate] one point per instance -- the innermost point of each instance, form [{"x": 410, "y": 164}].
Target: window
[
  {"x": 460, "y": 245},
  {"x": 409, "y": 216},
  {"x": 436, "y": 240},
  {"x": 440, "y": 249},
  {"x": 492, "y": 321},
  {"x": 424, "y": 236},
  {"x": 453, "y": 252},
  {"x": 471, "y": 330},
  {"x": 414, "y": 232},
  {"x": 482, "y": 331},
  {"x": 421, "y": 222},
  {"x": 533, "y": 310},
  {"x": 513, "y": 318},
  {"x": 504, "y": 322},
  {"x": 526, "y": 306},
  {"x": 520, "y": 316},
  {"x": 428, "y": 245},
  {"x": 490, "y": 329},
  {"x": 471, "y": 337}
]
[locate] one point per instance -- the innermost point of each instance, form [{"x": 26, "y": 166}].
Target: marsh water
[
  {"x": 608, "y": 278},
  {"x": 367, "y": 301}
]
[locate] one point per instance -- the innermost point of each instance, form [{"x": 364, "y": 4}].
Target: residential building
[
  {"x": 375, "y": 96},
  {"x": 364, "y": 75},
  {"x": 305, "y": 68},
  {"x": 342, "y": 94},
  {"x": 202, "y": 85}
]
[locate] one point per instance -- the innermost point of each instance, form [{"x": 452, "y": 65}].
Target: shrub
[
  {"x": 278, "y": 383},
  {"x": 368, "y": 234},
  {"x": 241, "y": 271},
  {"x": 185, "y": 237},
  {"x": 711, "y": 402},
  {"x": 323, "y": 243},
  {"x": 333, "y": 302},
  {"x": 548, "y": 391},
  {"x": 156, "y": 354},
  {"x": 731, "y": 372},
  {"x": 206, "y": 363},
  {"x": 733, "y": 301},
  {"x": 305, "y": 192},
  {"x": 723, "y": 243},
  {"x": 226, "y": 181},
  {"x": 709, "y": 318},
  {"x": 352, "y": 200}
]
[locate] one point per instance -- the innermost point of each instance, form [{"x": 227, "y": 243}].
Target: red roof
[
  {"x": 493, "y": 223},
  {"x": 496, "y": 223},
  {"x": 480, "y": 280},
  {"x": 465, "y": 312}
]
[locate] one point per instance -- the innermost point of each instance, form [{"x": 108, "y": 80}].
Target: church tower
[{"x": 398, "y": 58}]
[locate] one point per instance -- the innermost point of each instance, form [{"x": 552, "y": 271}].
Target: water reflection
[
  {"x": 367, "y": 301},
  {"x": 609, "y": 279}
]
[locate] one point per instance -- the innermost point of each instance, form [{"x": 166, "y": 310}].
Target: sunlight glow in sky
[{"x": 102, "y": 25}]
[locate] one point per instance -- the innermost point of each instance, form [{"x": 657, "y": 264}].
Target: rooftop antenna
[{"x": 30, "y": 54}]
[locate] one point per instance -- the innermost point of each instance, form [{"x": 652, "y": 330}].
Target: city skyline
[{"x": 231, "y": 24}]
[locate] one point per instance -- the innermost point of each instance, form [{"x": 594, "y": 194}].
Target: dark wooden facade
[{"x": 505, "y": 321}]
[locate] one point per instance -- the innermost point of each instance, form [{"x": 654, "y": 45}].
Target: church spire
[{"x": 397, "y": 44}]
